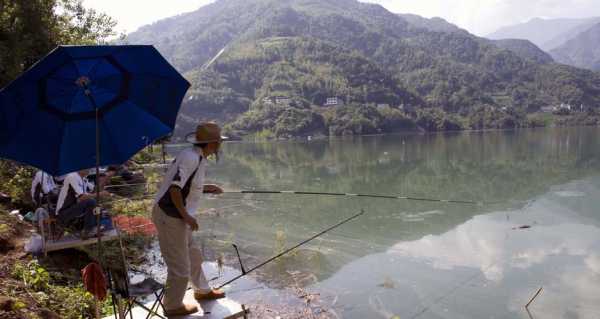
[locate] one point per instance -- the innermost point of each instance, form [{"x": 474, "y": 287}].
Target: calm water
[{"x": 415, "y": 259}]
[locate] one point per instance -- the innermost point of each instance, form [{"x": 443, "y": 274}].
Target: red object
[
  {"x": 94, "y": 280},
  {"x": 135, "y": 225}
]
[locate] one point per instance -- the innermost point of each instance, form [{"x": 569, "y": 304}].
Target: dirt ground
[{"x": 16, "y": 300}]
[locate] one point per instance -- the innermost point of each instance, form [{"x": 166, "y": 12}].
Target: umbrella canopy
[{"x": 48, "y": 115}]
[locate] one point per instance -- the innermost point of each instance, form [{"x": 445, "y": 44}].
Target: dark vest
[
  {"x": 166, "y": 203},
  {"x": 70, "y": 199}
]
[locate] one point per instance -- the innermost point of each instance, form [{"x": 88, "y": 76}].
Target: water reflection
[
  {"x": 416, "y": 259},
  {"x": 487, "y": 267},
  {"x": 510, "y": 167}
]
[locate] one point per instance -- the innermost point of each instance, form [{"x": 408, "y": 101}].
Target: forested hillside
[{"x": 269, "y": 67}]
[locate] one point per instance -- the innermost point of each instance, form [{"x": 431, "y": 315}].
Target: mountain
[
  {"x": 306, "y": 67},
  {"x": 434, "y": 24},
  {"x": 571, "y": 33},
  {"x": 525, "y": 49},
  {"x": 545, "y": 33},
  {"x": 582, "y": 51}
]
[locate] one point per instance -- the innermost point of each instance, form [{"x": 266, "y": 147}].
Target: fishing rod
[
  {"x": 397, "y": 197},
  {"x": 246, "y": 272},
  {"x": 465, "y": 202}
]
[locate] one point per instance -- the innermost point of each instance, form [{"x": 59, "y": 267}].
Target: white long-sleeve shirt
[
  {"x": 45, "y": 180},
  {"x": 188, "y": 162}
]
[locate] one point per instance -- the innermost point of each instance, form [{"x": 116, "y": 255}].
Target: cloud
[
  {"x": 132, "y": 14},
  {"x": 489, "y": 243},
  {"x": 482, "y": 17}
]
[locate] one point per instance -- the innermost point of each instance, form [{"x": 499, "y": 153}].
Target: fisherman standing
[{"x": 173, "y": 214}]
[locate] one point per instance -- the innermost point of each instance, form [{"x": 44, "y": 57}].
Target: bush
[
  {"x": 433, "y": 120},
  {"x": 68, "y": 301},
  {"x": 16, "y": 181}
]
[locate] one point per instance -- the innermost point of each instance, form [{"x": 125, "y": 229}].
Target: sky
[{"x": 480, "y": 17}]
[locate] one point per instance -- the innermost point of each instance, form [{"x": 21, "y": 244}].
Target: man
[
  {"x": 104, "y": 179},
  {"x": 76, "y": 201},
  {"x": 175, "y": 205},
  {"x": 43, "y": 188}
]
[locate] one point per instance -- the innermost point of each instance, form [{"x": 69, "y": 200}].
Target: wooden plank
[
  {"x": 224, "y": 308},
  {"x": 71, "y": 242}
]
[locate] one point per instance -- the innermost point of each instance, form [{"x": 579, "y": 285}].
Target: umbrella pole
[
  {"x": 97, "y": 187},
  {"x": 97, "y": 211}
]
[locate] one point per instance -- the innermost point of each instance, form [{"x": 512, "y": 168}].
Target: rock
[
  {"x": 6, "y": 304},
  {"x": 522, "y": 227},
  {"x": 47, "y": 314},
  {"x": 4, "y": 199}
]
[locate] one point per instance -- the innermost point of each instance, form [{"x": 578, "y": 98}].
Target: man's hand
[
  {"x": 106, "y": 194},
  {"x": 86, "y": 197},
  {"x": 191, "y": 221},
  {"x": 212, "y": 189}
]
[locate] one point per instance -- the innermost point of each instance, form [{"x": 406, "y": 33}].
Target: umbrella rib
[
  {"x": 98, "y": 84},
  {"x": 60, "y": 146},
  {"x": 110, "y": 138},
  {"x": 150, "y": 113}
]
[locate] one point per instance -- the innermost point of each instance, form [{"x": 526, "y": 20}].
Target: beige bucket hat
[{"x": 208, "y": 132}]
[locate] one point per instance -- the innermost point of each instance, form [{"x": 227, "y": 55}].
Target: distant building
[
  {"x": 333, "y": 101},
  {"x": 282, "y": 100},
  {"x": 267, "y": 100},
  {"x": 547, "y": 109},
  {"x": 565, "y": 106}
]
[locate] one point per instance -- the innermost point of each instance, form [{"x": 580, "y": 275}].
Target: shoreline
[{"x": 309, "y": 138}]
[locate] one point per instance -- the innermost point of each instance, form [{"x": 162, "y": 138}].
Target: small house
[
  {"x": 547, "y": 109},
  {"x": 565, "y": 106},
  {"x": 267, "y": 100},
  {"x": 333, "y": 101},
  {"x": 282, "y": 100}
]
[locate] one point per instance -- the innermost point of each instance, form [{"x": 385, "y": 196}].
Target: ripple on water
[{"x": 569, "y": 194}]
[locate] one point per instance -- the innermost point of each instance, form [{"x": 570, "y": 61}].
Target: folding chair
[{"x": 132, "y": 294}]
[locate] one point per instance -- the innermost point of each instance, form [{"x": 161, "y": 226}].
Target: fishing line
[
  {"x": 451, "y": 291},
  {"x": 398, "y": 197},
  {"x": 292, "y": 248}
]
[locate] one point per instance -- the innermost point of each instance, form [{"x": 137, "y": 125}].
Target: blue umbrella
[{"x": 86, "y": 106}]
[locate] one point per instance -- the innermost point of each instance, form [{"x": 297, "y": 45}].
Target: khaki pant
[{"x": 183, "y": 258}]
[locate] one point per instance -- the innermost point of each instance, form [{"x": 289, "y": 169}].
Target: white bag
[{"x": 34, "y": 245}]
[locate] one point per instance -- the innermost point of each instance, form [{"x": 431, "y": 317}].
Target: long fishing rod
[
  {"x": 397, "y": 197},
  {"x": 465, "y": 202},
  {"x": 246, "y": 272}
]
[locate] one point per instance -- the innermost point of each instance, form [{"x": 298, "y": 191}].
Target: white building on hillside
[
  {"x": 332, "y": 101},
  {"x": 282, "y": 100}
]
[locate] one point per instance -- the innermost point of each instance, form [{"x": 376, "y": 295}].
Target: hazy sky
[{"x": 478, "y": 16}]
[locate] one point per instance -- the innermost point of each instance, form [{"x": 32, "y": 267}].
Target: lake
[{"x": 538, "y": 226}]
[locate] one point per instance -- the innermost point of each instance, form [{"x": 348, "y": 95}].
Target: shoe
[
  {"x": 212, "y": 295},
  {"x": 184, "y": 310},
  {"x": 87, "y": 234}
]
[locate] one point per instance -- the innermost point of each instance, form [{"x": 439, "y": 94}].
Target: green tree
[{"x": 30, "y": 29}]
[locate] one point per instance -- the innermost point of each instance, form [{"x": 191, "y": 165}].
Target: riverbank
[
  {"x": 50, "y": 288},
  {"x": 38, "y": 288},
  {"x": 432, "y": 122}
]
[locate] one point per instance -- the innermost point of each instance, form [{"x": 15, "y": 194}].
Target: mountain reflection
[{"x": 488, "y": 267}]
